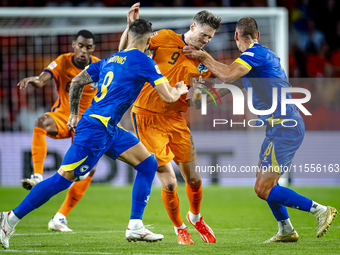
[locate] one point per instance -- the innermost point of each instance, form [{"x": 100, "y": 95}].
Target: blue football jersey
[
  {"x": 266, "y": 72},
  {"x": 120, "y": 79}
]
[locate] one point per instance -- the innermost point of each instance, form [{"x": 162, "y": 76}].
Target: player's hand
[
  {"x": 182, "y": 87},
  {"x": 192, "y": 53},
  {"x": 133, "y": 13},
  {"x": 72, "y": 122},
  {"x": 30, "y": 80}
]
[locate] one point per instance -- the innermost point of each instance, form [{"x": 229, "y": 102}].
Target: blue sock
[
  {"x": 279, "y": 211},
  {"x": 41, "y": 193},
  {"x": 288, "y": 197},
  {"x": 142, "y": 186}
]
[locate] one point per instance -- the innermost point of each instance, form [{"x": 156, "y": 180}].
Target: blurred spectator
[
  {"x": 91, "y": 3},
  {"x": 318, "y": 65}
]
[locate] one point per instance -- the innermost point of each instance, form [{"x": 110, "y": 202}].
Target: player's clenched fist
[
  {"x": 133, "y": 13},
  {"x": 191, "y": 52},
  {"x": 181, "y": 87},
  {"x": 72, "y": 122}
]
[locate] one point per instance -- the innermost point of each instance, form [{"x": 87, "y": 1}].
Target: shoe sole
[
  {"x": 129, "y": 239},
  {"x": 293, "y": 239},
  {"x": 26, "y": 185},
  {"x": 323, "y": 231}
]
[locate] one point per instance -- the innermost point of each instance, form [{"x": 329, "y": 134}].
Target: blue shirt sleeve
[
  {"x": 94, "y": 70},
  {"x": 250, "y": 58},
  {"x": 151, "y": 72}
]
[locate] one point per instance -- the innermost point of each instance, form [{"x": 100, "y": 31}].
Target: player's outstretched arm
[
  {"x": 171, "y": 94},
  {"x": 76, "y": 90},
  {"x": 35, "y": 81},
  {"x": 227, "y": 73},
  {"x": 132, "y": 15}
]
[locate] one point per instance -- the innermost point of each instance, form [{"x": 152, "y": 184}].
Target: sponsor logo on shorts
[{"x": 84, "y": 168}]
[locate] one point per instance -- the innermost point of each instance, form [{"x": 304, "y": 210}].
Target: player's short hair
[
  {"x": 139, "y": 28},
  {"x": 247, "y": 27},
  {"x": 207, "y": 18},
  {"x": 84, "y": 33}
]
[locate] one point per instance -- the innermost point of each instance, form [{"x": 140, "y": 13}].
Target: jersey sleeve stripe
[
  {"x": 160, "y": 80},
  {"x": 49, "y": 71},
  {"x": 244, "y": 63}
]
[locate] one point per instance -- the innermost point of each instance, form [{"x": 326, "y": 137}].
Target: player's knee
[
  {"x": 41, "y": 122},
  {"x": 148, "y": 165},
  {"x": 261, "y": 192},
  {"x": 194, "y": 182},
  {"x": 170, "y": 186}
]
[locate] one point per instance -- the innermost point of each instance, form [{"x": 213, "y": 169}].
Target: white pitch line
[
  {"x": 58, "y": 252},
  {"x": 120, "y": 231},
  {"x": 72, "y": 233}
]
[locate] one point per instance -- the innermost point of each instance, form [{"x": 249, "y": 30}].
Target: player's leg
[
  {"x": 195, "y": 194},
  {"x": 39, "y": 195},
  {"x": 73, "y": 196},
  {"x": 182, "y": 145},
  {"x": 50, "y": 124},
  {"x": 129, "y": 149},
  {"x": 167, "y": 177},
  {"x": 43, "y": 125},
  {"x": 272, "y": 154},
  {"x": 88, "y": 146},
  {"x": 156, "y": 139}
]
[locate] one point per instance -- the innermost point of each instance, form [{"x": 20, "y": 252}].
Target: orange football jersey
[
  {"x": 63, "y": 70},
  {"x": 166, "y": 49}
]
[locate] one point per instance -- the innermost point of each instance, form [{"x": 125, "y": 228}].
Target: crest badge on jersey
[
  {"x": 154, "y": 34},
  {"x": 201, "y": 68},
  {"x": 248, "y": 53},
  {"x": 52, "y": 65},
  {"x": 84, "y": 168}
]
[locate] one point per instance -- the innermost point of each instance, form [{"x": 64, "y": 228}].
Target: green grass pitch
[{"x": 240, "y": 220}]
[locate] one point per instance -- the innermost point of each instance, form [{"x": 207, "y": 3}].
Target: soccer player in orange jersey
[
  {"x": 53, "y": 124},
  {"x": 160, "y": 126}
]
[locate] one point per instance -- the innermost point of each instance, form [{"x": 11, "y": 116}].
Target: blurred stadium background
[{"x": 310, "y": 43}]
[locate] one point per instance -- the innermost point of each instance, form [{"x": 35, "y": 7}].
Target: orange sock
[
  {"x": 39, "y": 149},
  {"x": 75, "y": 193},
  {"x": 171, "y": 203},
  {"x": 195, "y": 197}
]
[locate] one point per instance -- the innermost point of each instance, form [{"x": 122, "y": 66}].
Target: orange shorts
[
  {"x": 166, "y": 135},
  {"x": 60, "y": 120}
]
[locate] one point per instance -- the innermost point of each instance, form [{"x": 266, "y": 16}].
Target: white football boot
[
  {"x": 291, "y": 237},
  {"x": 58, "y": 225},
  {"x": 6, "y": 230},
  {"x": 142, "y": 234},
  {"x": 29, "y": 183},
  {"x": 324, "y": 220}
]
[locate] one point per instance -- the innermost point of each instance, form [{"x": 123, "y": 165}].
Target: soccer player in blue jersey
[
  {"x": 260, "y": 69},
  {"x": 120, "y": 78}
]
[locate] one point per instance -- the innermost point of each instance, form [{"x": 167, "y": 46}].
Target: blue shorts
[
  {"x": 90, "y": 142},
  {"x": 279, "y": 150}
]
